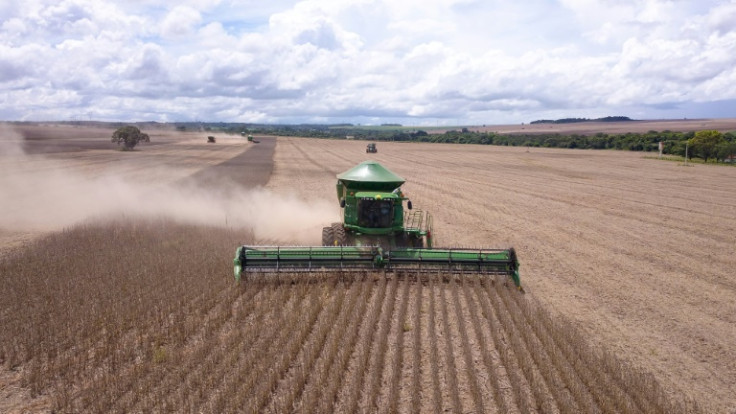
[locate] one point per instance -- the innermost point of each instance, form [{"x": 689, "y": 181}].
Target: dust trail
[
  {"x": 11, "y": 143},
  {"x": 52, "y": 198}
]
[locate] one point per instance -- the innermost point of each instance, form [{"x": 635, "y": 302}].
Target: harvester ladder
[{"x": 418, "y": 220}]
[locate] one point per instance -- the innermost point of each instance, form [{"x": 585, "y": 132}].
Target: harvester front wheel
[
  {"x": 328, "y": 236},
  {"x": 339, "y": 236}
]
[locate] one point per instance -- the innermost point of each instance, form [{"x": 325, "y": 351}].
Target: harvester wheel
[
  {"x": 339, "y": 237},
  {"x": 327, "y": 236}
]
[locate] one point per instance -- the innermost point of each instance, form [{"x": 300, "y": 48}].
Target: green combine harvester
[{"x": 377, "y": 234}]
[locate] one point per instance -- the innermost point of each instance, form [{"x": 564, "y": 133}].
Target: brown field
[
  {"x": 591, "y": 128},
  {"x": 627, "y": 263}
]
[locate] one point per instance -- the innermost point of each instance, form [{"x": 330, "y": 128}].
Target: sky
[{"x": 368, "y": 62}]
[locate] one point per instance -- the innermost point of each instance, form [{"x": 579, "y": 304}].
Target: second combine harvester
[{"x": 377, "y": 233}]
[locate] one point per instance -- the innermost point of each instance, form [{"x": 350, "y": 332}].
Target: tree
[
  {"x": 129, "y": 136},
  {"x": 724, "y": 150},
  {"x": 703, "y": 144}
]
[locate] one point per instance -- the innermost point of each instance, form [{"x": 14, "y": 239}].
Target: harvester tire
[
  {"x": 339, "y": 236},
  {"x": 327, "y": 236}
]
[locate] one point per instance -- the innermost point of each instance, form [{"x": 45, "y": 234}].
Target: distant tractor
[
  {"x": 379, "y": 231},
  {"x": 250, "y": 138},
  {"x": 371, "y": 148},
  {"x": 210, "y": 139}
]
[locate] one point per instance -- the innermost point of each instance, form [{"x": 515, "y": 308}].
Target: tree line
[{"x": 707, "y": 144}]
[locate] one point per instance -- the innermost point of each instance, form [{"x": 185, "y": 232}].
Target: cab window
[{"x": 375, "y": 213}]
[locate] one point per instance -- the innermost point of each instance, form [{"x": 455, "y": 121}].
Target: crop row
[{"x": 145, "y": 317}]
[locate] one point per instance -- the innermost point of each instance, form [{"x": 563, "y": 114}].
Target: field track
[{"x": 630, "y": 305}]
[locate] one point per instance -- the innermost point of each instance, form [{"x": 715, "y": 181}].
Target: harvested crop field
[
  {"x": 594, "y": 127},
  {"x": 626, "y": 262}
]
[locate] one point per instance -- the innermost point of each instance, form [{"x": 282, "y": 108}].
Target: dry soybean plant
[{"x": 144, "y": 316}]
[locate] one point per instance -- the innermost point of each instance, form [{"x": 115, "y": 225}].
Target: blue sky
[{"x": 415, "y": 62}]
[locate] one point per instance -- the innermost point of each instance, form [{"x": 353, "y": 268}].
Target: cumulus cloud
[
  {"x": 443, "y": 61},
  {"x": 179, "y": 22}
]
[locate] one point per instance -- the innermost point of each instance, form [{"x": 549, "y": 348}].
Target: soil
[
  {"x": 636, "y": 251},
  {"x": 249, "y": 169},
  {"x": 593, "y": 127}
]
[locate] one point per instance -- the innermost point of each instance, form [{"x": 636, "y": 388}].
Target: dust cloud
[
  {"x": 11, "y": 143},
  {"x": 41, "y": 194}
]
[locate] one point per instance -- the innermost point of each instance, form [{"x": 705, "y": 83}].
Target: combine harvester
[{"x": 376, "y": 234}]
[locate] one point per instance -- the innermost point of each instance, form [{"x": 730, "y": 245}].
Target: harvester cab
[{"x": 377, "y": 233}]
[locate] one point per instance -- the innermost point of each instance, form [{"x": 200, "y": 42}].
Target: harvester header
[{"x": 380, "y": 231}]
